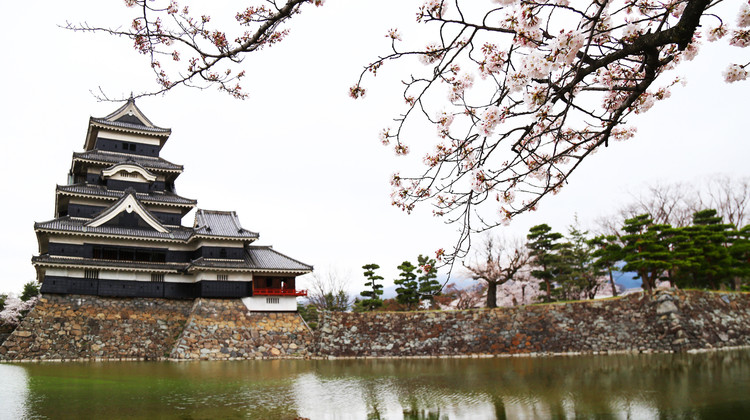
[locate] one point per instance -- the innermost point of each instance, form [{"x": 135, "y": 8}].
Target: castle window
[
  {"x": 91, "y": 274},
  {"x": 272, "y": 300},
  {"x": 222, "y": 277},
  {"x": 157, "y": 277}
]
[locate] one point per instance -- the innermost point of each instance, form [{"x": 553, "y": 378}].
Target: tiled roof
[
  {"x": 130, "y": 126},
  {"x": 46, "y": 259},
  {"x": 101, "y": 191},
  {"x": 127, "y": 203},
  {"x": 220, "y": 224},
  {"x": 77, "y": 225},
  {"x": 134, "y": 119},
  {"x": 257, "y": 258},
  {"x": 148, "y": 162},
  {"x": 265, "y": 258},
  {"x": 220, "y": 263}
]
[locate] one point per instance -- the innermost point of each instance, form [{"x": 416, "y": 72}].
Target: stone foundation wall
[
  {"x": 77, "y": 326},
  {"x": 225, "y": 329},
  {"x": 668, "y": 321},
  {"x": 87, "y": 327}
]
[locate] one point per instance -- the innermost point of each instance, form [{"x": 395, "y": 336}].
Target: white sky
[{"x": 299, "y": 160}]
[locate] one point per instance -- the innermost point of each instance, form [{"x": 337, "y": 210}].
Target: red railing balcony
[{"x": 279, "y": 292}]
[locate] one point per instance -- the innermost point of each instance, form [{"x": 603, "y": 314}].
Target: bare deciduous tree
[
  {"x": 672, "y": 204},
  {"x": 498, "y": 261},
  {"x": 328, "y": 291},
  {"x": 730, "y": 197}
]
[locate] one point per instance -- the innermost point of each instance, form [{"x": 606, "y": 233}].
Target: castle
[{"x": 117, "y": 229}]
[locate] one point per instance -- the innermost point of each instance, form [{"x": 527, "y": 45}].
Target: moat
[{"x": 703, "y": 385}]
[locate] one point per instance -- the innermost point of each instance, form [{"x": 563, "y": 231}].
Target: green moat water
[{"x": 706, "y": 385}]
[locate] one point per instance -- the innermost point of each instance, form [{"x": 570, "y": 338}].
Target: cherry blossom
[
  {"x": 735, "y": 73},
  {"x": 540, "y": 85},
  {"x": 213, "y": 54},
  {"x": 15, "y": 309}
]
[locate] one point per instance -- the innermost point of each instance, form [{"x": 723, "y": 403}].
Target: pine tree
[
  {"x": 645, "y": 250},
  {"x": 574, "y": 269},
  {"x": 740, "y": 252},
  {"x": 541, "y": 245},
  {"x": 30, "y": 290},
  {"x": 371, "y": 296},
  {"x": 429, "y": 287},
  {"x": 408, "y": 291},
  {"x": 607, "y": 253},
  {"x": 712, "y": 262}
]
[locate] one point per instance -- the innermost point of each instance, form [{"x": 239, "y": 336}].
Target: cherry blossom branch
[
  {"x": 532, "y": 94},
  {"x": 173, "y": 32}
]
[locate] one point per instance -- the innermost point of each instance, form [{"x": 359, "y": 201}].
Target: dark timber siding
[
  {"x": 219, "y": 252},
  {"x": 118, "y": 185},
  {"x": 87, "y": 251},
  {"x": 127, "y": 147},
  {"x": 81, "y": 210},
  {"x": 126, "y": 288}
]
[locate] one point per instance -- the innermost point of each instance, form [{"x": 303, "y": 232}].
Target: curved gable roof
[{"x": 129, "y": 204}]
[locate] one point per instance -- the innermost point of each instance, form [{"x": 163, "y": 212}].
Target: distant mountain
[{"x": 624, "y": 279}]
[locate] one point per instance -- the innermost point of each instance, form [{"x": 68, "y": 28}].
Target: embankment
[
  {"x": 85, "y": 327},
  {"x": 76, "y": 326},
  {"x": 668, "y": 321}
]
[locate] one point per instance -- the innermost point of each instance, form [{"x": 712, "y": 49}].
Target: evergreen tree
[
  {"x": 408, "y": 291},
  {"x": 645, "y": 251},
  {"x": 574, "y": 269},
  {"x": 371, "y": 296},
  {"x": 607, "y": 253},
  {"x": 429, "y": 287},
  {"x": 30, "y": 290},
  {"x": 310, "y": 314},
  {"x": 740, "y": 252},
  {"x": 710, "y": 262},
  {"x": 682, "y": 255},
  {"x": 542, "y": 243}
]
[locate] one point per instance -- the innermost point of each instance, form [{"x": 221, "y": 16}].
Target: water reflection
[
  {"x": 14, "y": 392},
  {"x": 708, "y": 385}
]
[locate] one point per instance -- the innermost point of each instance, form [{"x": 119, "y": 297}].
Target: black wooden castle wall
[{"x": 127, "y": 288}]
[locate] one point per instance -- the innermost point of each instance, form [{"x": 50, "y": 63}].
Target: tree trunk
[
  {"x": 491, "y": 294},
  {"x": 612, "y": 283},
  {"x": 646, "y": 282}
]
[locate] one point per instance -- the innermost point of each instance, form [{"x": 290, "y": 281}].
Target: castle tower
[{"x": 117, "y": 229}]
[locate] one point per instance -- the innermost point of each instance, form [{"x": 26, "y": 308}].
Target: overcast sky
[{"x": 299, "y": 160}]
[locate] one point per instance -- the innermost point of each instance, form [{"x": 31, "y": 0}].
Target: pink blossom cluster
[
  {"x": 393, "y": 34},
  {"x": 431, "y": 53},
  {"x": 490, "y": 119},
  {"x": 458, "y": 85},
  {"x": 444, "y": 121},
  {"x": 15, "y": 309},
  {"x": 735, "y": 73},
  {"x": 432, "y": 8}
]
